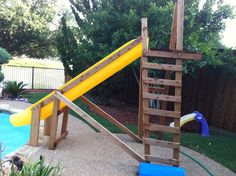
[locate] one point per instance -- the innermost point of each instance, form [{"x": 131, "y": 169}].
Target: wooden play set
[{"x": 150, "y": 120}]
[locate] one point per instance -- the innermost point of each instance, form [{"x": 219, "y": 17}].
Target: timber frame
[{"x": 151, "y": 88}]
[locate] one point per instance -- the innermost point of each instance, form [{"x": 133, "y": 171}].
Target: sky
[{"x": 228, "y": 36}]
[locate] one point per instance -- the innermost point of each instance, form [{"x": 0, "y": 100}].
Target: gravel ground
[{"x": 85, "y": 153}]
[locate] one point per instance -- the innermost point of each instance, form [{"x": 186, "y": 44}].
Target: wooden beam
[
  {"x": 99, "y": 111},
  {"x": 47, "y": 126},
  {"x": 146, "y": 120},
  {"x": 159, "y": 90},
  {"x": 162, "y": 160},
  {"x": 173, "y": 29},
  {"x": 98, "y": 126},
  {"x": 162, "y": 66},
  {"x": 35, "y": 122},
  {"x": 64, "y": 120},
  {"x": 102, "y": 64},
  {"x": 54, "y": 123},
  {"x": 178, "y": 75},
  {"x": 174, "y": 83},
  {"x": 164, "y": 113},
  {"x": 140, "y": 104},
  {"x": 163, "y": 128},
  {"x": 162, "y": 97},
  {"x": 63, "y": 136},
  {"x": 174, "y": 54},
  {"x": 161, "y": 143}
]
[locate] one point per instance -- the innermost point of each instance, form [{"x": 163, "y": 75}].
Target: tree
[
  {"x": 25, "y": 27},
  {"x": 68, "y": 50}
]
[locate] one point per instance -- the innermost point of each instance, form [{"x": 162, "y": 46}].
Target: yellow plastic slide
[{"x": 24, "y": 117}]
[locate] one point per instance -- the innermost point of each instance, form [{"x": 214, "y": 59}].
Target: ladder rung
[
  {"x": 166, "y": 82},
  {"x": 162, "y": 128},
  {"x": 164, "y": 113},
  {"x": 173, "y": 54},
  {"x": 157, "y": 66},
  {"x": 161, "y": 143},
  {"x": 162, "y": 97},
  {"x": 158, "y": 159},
  {"x": 156, "y": 89}
]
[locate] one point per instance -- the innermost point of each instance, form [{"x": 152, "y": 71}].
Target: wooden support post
[
  {"x": 168, "y": 73},
  {"x": 64, "y": 120},
  {"x": 178, "y": 75},
  {"x": 146, "y": 120},
  {"x": 47, "y": 126},
  {"x": 35, "y": 122},
  {"x": 140, "y": 105},
  {"x": 54, "y": 124}
]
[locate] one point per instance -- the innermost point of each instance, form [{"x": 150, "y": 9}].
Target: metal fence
[{"x": 35, "y": 77}]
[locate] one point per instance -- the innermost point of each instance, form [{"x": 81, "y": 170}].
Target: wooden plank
[
  {"x": 156, "y": 90},
  {"x": 168, "y": 74},
  {"x": 35, "y": 122},
  {"x": 162, "y": 128},
  {"x": 110, "y": 118},
  {"x": 162, "y": 160},
  {"x": 63, "y": 136},
  {"x": 146, "y": 120},
  {"x": 103, "y": 64},
  {"x": 47, "y": 126},
  {"x": 173, "y": 54},
  {"x": 157, "y": 66},
  {"x": 64, "y": 120},
  {"x": 178, "y": 75},
  {"x": 98, "y": 126},
  {"x": 54, "y": 124},
  {"x": 161, "y": 97},
  {"x": 161, "y": 143},
  {"x": 173, "y": 30},
  {"x": 140, "y": 104},
  {"x": 165, "y": 113},
  {"x": 167, "y": 82}
]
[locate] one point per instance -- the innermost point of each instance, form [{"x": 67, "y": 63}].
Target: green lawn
[{"x": 220, "y": 146}]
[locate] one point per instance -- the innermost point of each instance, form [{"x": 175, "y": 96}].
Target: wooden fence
[
  {"x": 210, "y": 92},
  {"x": 35, "y": 77}
]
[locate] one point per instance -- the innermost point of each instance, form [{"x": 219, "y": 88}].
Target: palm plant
[{"x": 14, "y": 88}]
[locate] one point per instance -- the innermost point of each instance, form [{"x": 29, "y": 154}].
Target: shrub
[
  {"x": 4, "y": 55},
  {"x": 37, "y": 169},
  {"x": 14, "y": 89},
  {"x": 1, "y": 76}
]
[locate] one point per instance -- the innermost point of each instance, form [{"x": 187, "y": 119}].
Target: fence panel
[{"x": 35, "y": 77}]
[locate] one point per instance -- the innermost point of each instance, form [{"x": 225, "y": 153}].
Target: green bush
[
  {"x": 4, "y": 55},
  {"x": 1, "y": 76},
  {"x": 14, "y": 89},
  {"x": 37, "y": 169}
]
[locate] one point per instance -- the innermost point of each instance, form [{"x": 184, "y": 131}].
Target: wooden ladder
[{"x": 154, "y": 120}]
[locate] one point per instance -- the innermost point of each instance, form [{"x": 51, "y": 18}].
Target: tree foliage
[
  {"x": 4, "y": 55},
  {"x": 68, "y": 49},
  {"x": 25, "y": 26},
  {"x": 105, "y": 25}
]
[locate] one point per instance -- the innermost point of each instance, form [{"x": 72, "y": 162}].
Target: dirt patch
[{"x": 122, "y": 112}]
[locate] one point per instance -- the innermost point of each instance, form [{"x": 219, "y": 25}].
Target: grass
[{"x": 220, "y": 146}]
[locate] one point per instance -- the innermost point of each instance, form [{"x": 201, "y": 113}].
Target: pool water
[{"x": 12, "y": 137}]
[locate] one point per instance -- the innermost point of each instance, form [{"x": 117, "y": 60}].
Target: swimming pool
[{"x": 12, "y": 137}]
